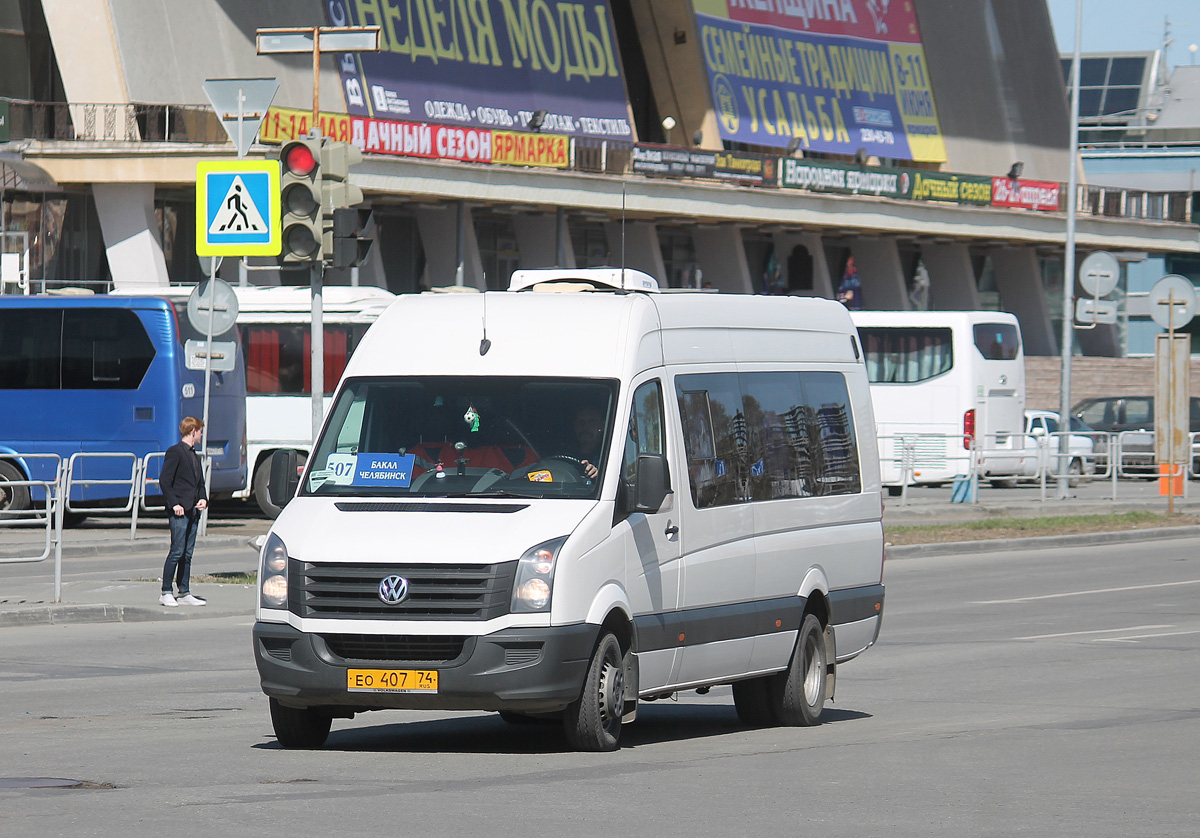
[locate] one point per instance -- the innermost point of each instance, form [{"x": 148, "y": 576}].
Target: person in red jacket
[{"x": 182, "y": 484}]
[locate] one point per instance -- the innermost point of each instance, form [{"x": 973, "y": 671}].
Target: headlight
[
  {"x": 273, "y": 580},
  {"x": 534, "y": 584}
]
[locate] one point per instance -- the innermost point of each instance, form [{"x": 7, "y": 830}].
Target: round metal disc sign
[
  {"x": 1173, "y": 301},
  {"x": 1099, "y": 273},
  {"x": 224, "y": 306}
]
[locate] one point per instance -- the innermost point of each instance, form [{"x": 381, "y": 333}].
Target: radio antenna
[
  {"x": 485, "y": 344},
  {"x": 622, "y": 235}
]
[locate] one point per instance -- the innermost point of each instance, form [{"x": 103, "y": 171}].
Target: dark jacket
[{"x": 182, "y": 478}]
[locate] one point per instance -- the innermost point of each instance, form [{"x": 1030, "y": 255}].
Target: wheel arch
[
  {"x": 815, "y": 592},
  {"x": 611, "y": 611}
]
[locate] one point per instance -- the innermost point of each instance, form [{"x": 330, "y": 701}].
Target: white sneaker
[
  {"x": 168, "y": 600},
  {"x": 188, "y": 599}
]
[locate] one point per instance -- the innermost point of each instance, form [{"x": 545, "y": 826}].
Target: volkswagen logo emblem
[{"x": 393, "y": 590}]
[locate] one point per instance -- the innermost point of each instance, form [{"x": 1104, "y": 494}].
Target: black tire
[
  {"x": 593, "y": 721},
  {"x": 12, "y": 498},
  {"x": 895, "y": 491},
  {"x": 752, "y": 702},
  {"x": 299, "y": 727},
  {"x": 262, "y": 476},
  {"x": 797, "y": 695},
  {"x": 1074, "y": 472}
]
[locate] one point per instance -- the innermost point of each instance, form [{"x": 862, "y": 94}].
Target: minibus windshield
[{"x": 465, "y": 436}]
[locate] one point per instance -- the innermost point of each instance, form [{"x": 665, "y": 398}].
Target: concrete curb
[
  {"x": 74, "y": 613},
  {"x": 147, "y": 545},
  {"x": 1041, "y": 542}
]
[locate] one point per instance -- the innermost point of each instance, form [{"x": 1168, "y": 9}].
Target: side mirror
[
  {"x": 284, "y": 479},
  {"x": 652, "y": 483},
  {"x": 1039, "y": 431}
]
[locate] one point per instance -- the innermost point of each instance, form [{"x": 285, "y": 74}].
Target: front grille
[
  {"x": 385, "y": 647},
  {"x": 435, "y": 592}
]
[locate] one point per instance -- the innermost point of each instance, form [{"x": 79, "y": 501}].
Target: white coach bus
[
  {"x": 942, "y": 383},
  {"x": 276, "y": 333}
]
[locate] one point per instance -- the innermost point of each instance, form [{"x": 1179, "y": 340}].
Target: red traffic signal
[{"x": 298, "y": 159}]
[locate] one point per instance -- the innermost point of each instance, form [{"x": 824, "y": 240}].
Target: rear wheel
[
  {"x": 797, "y": 695},
  {"x": 12, "y": 498},
  {"x": 593, "y": 721},
  {"x": 297, "y": 727}
]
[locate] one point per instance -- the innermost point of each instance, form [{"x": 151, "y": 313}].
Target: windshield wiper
[{"x": 497, "y": 493}]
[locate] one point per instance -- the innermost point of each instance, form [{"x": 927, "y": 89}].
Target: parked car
[
  {"x": 1133, "y": 414},
  {"x": 1041, "y": 446}
]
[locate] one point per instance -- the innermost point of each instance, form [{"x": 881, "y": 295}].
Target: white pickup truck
[{"x": 1041, "y": 446}]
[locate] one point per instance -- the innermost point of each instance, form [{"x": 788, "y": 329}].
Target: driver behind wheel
[{"x": 589, "y": 435}]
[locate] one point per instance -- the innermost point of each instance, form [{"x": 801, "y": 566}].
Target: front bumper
[{"x": 529, "y": 670}]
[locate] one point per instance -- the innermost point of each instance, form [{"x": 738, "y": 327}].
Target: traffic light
[
  {"x": 300, "y": 198},
  {"x": 337, "y": 192},
  {"x": 353, "y": 235}
]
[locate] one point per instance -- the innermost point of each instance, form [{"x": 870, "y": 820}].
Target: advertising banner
[
  {"x": 671, "y": 161},
  {"x": 819, "y": 176},
  {"x": 836, "y": 76},
  {"x": 1025, "y": 194},
  {"x": 420, "y": 139},
  {"x": 488, "y": 64},
  {"x": 955, "y": 189}
]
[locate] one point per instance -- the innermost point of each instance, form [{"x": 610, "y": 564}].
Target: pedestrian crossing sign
[{"x": 237, "y": 208}]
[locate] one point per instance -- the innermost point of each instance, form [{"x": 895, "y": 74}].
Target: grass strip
[{"x": 1025, "y": 527}]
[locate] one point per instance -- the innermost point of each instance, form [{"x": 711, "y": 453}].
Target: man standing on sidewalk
[{"x": 182, "y": 484}]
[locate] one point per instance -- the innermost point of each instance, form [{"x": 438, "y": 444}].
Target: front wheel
[
  {"x": 797, "y": 695},
  {"x": 298, "y": 727},
  {"x": 12, "y": 498},
  {"x": 593, "y": 721}
]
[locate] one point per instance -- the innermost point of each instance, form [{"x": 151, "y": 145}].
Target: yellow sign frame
[{"x": 269, "y": 243}]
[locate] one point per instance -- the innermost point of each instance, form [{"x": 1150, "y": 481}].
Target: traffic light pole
[{"x": 318, "y": 351}]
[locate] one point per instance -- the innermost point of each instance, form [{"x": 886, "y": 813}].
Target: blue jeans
[{"x": 179, "y": 557}]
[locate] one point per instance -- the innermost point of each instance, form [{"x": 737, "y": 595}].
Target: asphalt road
[{"x": 1044, "y": 693}]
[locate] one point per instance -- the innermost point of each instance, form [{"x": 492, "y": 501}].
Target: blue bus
[{"x": 106, "y": 374}]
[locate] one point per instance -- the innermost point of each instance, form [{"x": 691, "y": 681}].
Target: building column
[
  {"x": 439, "y": 237},
  {"x": 721, "y": 257},
  {"x": 879, "y": 271},
  {"x": 539, "y": 235},
  {"x": 952, "y": 282},
  {"x": 131, "y": 237},
  {"x": 1019, "y": 280},
  {"x": 634, "y": 244}
]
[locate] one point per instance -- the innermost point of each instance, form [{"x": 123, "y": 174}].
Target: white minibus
[
  {"x": 562, "y": 499},
  {"x": 945, "y": 383}
]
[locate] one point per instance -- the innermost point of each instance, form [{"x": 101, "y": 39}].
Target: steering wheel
[{"x": 575, "y": 461}]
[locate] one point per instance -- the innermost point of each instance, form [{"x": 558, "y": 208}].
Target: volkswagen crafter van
[{"x": 558, "y": 500}]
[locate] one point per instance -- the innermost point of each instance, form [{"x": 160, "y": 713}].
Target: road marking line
[
  {"x": 1134, "y": 637},
  {"x": 1082, "y": 633},
  {"x": 1084, "y": 593}
]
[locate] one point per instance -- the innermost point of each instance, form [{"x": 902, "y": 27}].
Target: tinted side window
[
  {"x": 714, "y": 432},
  {"x": 778, "y": 435},
  {"x": 1139, "y": 411},
  {"x": 837, "y": 471},
  {"x": 997, "y": 341},
  {"x": 104, "y": 349},
  {"x": 904, "y": 356},
  {"x": 645, "y": 434},
  {"x": 30, "y": 351}
]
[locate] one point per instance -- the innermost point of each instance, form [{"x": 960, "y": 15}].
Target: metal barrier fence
[
  {"x": 940, "y": 458},
  {"x": 56, "y": 503}
]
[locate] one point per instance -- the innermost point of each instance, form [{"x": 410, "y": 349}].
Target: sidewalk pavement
[{"x": 119, "y": 597}]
